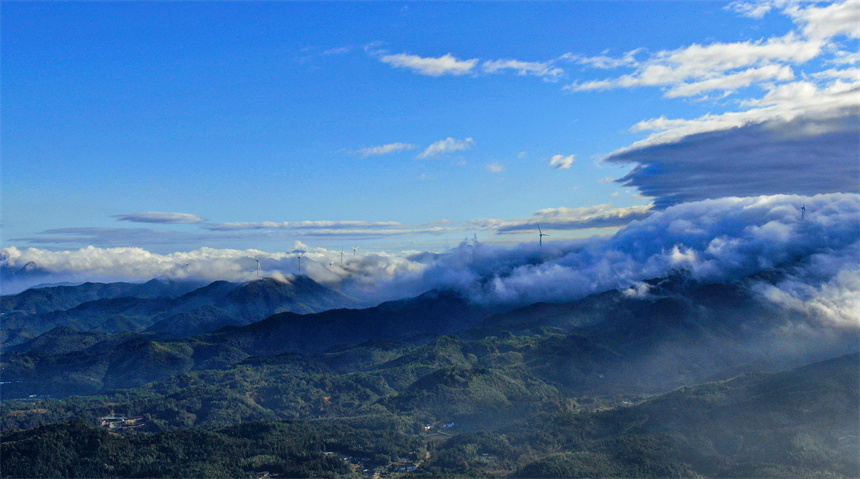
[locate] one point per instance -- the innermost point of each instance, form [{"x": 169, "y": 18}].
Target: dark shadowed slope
[
  {"x": 681, "y": 334},
  {"x": 59, "y": 340},
  {"x": 130, "y": 359},
  {"x": 429, "y": 315},
  {"x": 45, "y": 300},
  {"x": 199, "y": 311},
  {"x": 246, "y": 303},
  {"x": 27, "y": 314}
]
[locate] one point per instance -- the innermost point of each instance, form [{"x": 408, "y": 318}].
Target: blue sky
[{"x": 172, "y": 126}]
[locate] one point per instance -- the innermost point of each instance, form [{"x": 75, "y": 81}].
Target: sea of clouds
[{"x": 817, "y": 252}]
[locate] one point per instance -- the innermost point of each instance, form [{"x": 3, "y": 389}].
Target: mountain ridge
[
  {"x": 685, "y": 333},
  {"x": 138, "y": 307}
]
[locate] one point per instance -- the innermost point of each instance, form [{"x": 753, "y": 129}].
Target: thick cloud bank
[
  {"x": 814, "y": 242},
  {"x": 799, "y": 139},
  {"x": 792, "y": 118},
  {"x": 748, "y": 160},
  {"x": 712, "y": 241}
]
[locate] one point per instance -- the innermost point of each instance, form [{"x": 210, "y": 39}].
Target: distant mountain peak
[{"x": 29, "y": 270}]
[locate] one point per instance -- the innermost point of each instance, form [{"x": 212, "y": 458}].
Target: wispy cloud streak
[
  {"x": 303, "y": 225},
  {"x": 447, "y": 146},
  {"x": 439, "y": 66},
  {"x": 159, "y": 217},
  {"x": 599, "y": 216},
  {"x": 385, "y": 149}
]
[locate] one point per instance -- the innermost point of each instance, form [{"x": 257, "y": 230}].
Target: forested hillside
[
  {"x": 610, "y": 385},
  {"x": 800, "y": 423}
]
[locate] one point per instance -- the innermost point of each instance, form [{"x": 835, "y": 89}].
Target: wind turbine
[
  {"x": 257, "y": 259},
  {"x": 354, "y": 249},
  {"x": 541, "y": 234},
  {"x": 803, "y": 211},
  {"x": 300, "y": 253}
]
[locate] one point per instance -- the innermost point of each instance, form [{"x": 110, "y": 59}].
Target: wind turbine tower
[
  {"x": 354, "y": 249},
  {"x": 803, "y": 211},
  {"x": 257, "y": 259},
  {"x": 300, "y": 253},
  {"x": 541, "y": 234}
]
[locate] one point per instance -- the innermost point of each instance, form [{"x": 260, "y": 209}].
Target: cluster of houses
[
  {"x": 444, "y": 425},
  {"x": 120, "y": 423},
  {"x": 360, "y": 464}
]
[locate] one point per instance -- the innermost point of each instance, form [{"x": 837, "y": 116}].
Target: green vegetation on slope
[
  {"x": 800, "y": 423},
  {"x": 545, "y": 391}
]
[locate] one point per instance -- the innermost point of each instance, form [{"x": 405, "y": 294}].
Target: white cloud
[
  {"x": 732, "y": 81},
  {"x": 292, "y": 225},
  {"x": 709, "y": 66},
  {"x": 755, "y": 9},
  {"x": 495, "y": 168},
  {"x": 842, "y": 57},
  {"x": 713, "y": 241},
  {"x": 606, "y": 62},
  {"x": 817, "y": 21},
  {"x": 836, "y": 300},
  {"x": 541, "y": 69},
  {"x": 385, "y": 149},
  {"x": 598, "y": 216},
  {"x": 797, "y": 139},
  {"x": 445, "y": 65},
  {"x": 829, "y": 21},
  {"x": 159, "y": 217},
  {"x": 697, "y": 69},
  {"x": 337, "y": 51},
  {"x": 562, "y": 162},
  {"x": 108, "y": 264},
  {"x": 448, "y": 64},
  {"x": 446, "y": 146},
  {"x": 851, "y": 74},
  {"x": 347, "y": 229}
]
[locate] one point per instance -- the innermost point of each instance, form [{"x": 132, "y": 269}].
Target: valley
[{"x": 689, "y": 380}]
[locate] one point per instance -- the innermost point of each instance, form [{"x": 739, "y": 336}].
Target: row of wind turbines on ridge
[
  {"x": 541, "y": 234},
  {"x": 299, "y": 253}
]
